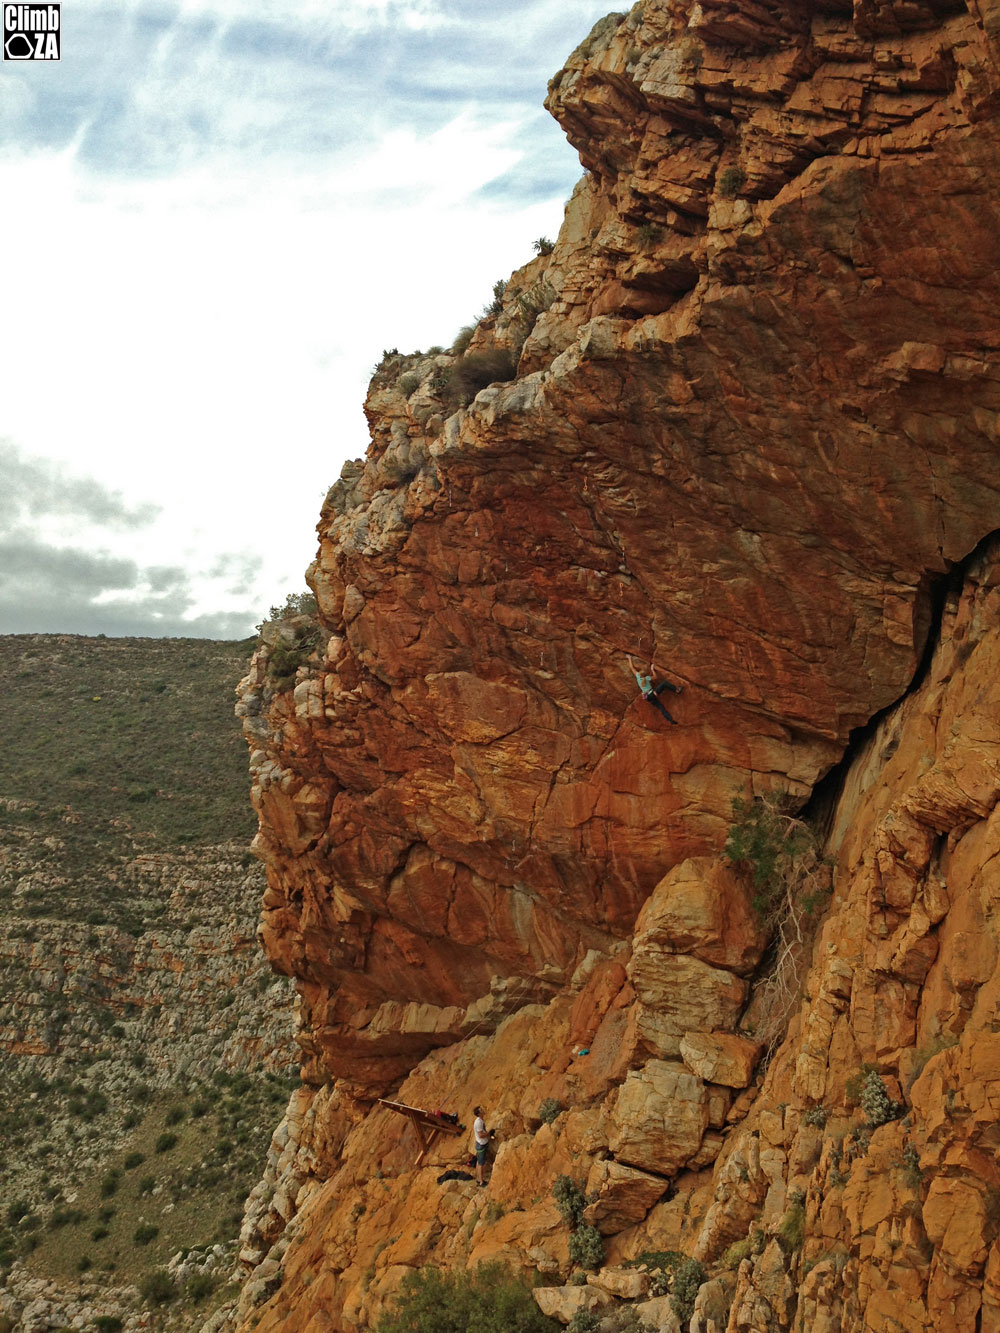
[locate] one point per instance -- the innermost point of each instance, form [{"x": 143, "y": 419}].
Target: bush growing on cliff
[
  {"x": 475, "y": 370},
  {"x": 550, "y": 1110},
  {"x": 777, "y": 852},
  {"x": 878, "y": 1106},
  {"x": 295, "y": 604},
  {"x": 158, "y": 1287},
  {"x": 731, "y": 181},
  {"x": 688, "y": 1278},
  {"x": 586, "y": 1246},
  {"x": 495, "y": 306},
  {"x": 489, "y": 1299},
  {"x": 570, "y": 1200},
  {"x": 286, "y": 658},
  {"x": 462, "y": 339},
  {"x": 792, "y": 1228},
  {"x": 788, "y": 879}
]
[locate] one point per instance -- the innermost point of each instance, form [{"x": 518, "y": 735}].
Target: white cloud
[
  {"x": 351, "y": 15},
  {"x": 211, "y": 264}
]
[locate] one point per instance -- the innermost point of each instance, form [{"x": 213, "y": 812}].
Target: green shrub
[
  {"x": 665, "y": 1260},
  {"x": 570, "y": 1200},
  {"x": 585, "y": 1321},
  {"x": 773, "y": 849},
  {"x": 792, "y": 1227},
  {"x": 158, "y": 1287},
  {"x": 689, "y": 1276},
  {"x": 495, "y": 307},
  {"x": 147, "y": 1184},
  {"x": 586, "y": 1246},
  {"x": 475, "y": 370},
  {"x": 285, "y": 659},
  {"x": 200, "y": 1285},
  {"x": 165, "y": 1142},
  {"x": 911, "y": 1167},
  {"x": 735, "y": 1254},
  {"x": 108, "y": 1323},
  {"x": 549, "y": 1110},
  {"x": 817, "y": 1116},
  {"x": 530, "y": 304},
  {"x": 543, "y": 246},
  {"x": 489, "y": 1299},
  {"x": 177, "y": 1113},
  {"x": 854, "y": 1086},
  {"x": 407, "y": 383},
  {"x": 463, "y": 338},
  {"x": 295, "y": 604},
  {"x": 133, "y": 1159},
  {"x": 731, "y": 181},
  {"x": 145, "y": 1232},
  {"x": 878, "y": 1106},
  {"x": 778, "y": 857}
]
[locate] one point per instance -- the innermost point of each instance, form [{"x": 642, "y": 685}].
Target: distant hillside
[
  {"x": 146, "y": 1046},
  {"x": 118, "y": 747}
]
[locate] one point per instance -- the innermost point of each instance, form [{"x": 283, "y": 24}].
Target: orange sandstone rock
[{"x": 752, "y": 437}]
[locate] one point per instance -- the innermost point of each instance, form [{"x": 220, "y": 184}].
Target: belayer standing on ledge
[
  {"x": 651, "y": 692},
  {"x": 481, "y": 1140}
]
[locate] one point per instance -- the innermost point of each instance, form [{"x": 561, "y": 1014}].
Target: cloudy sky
[{"x": 217, "y": 213}]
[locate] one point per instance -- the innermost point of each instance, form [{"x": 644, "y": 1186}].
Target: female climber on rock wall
[{"x": 651, "y": 692}]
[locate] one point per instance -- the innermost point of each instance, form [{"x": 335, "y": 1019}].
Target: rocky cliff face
[{"x": 752, "y": 436}]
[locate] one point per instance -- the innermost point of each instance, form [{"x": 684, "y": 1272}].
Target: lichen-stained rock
[
  {"x": 622, "y": 1195},
  {"x": 720, "y": 1057},
  {"x": 659, "y": 1118},
  {"x": 627, "y": 1283},
  {"x": 702, "y": 907},
  {"x": 563, "y": 1303},
  {"x": 955, "y": 1217},
  {"x": 658, "y": 1313},
  {"x": 678, "y": 993}
]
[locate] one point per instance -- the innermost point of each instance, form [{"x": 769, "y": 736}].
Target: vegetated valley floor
[{"x": 145, "y": 1046}]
